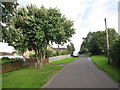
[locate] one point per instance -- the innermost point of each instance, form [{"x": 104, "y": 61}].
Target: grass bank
[
  {"x": 32, "y": 77},
  {"x": 102, "y": 63}
]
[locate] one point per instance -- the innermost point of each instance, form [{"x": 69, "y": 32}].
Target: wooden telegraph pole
[{"x": 108, "y": 46}]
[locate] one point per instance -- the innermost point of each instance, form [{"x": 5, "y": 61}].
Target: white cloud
[
  {"x": 88, "y": 15},
  {"x": 95, "y": 19}
]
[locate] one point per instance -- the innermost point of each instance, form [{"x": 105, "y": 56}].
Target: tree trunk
[
  {"x": 41, "y": 60},
  {"x": 43, "y": 54},
  {"x": 36, "y": 64},
  {"x": 37, "y": 57}
]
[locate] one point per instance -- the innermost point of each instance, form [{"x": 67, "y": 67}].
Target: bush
[
  {"x": 55, "y": 54},
  {"x": 115, "y": 52},
  {"x": 49, "y": 54},
  {"x": 17, "y": 59},
  {"x": 65, "y": 52},
  {"x": 33, "y": 56},
  {"x": 6, "y": 60}
]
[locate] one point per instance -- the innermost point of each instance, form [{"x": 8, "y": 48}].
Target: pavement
[{"x": 81, "y": 74}]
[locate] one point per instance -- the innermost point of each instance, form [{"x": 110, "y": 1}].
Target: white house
[
  {"x": 8, "y": 51},
  {"x": 5, "y": 49}
]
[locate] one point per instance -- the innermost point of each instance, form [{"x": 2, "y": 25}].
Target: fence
[
  {"x": 19, "y": 64},
  {"x": 32, "y": 62},
  {"x": 28, "y": 62},
  {"x": 11, "y": 66}
]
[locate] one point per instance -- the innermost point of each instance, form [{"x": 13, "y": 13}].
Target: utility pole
[
  {"x": 119, "y": 17},
  {"x": 1, "y": 22},
  {"x": 108, "y": 46}
]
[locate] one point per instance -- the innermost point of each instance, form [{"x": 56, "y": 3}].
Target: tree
[
  {"x": 113, "y": 35},
  {"x": 68, "y": 48},
  {"x": 83, "y": 47},
  {"x": 95, "y": 42},
  {"x": 115, "y": 52},
  {"x": 39, "y": 27},
  {"x": 71, "y": 47},
  {"x": 91, "y": 44},
  {"x": 8, "y": 9}
]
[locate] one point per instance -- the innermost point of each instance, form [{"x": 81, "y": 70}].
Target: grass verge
[
  {"x": 32, "y": 77},
  {"x": 64, "y": 61},
  {"x": 102, "y": 63}
]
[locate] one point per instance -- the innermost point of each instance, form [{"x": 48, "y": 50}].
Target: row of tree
[
  {"x": 70, "y": 48},
  {"x": 96, "y": 44},
  {"x": 34, "y": 28}
]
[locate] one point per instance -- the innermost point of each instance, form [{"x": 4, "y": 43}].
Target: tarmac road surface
[{"x": 81, "y": 74}]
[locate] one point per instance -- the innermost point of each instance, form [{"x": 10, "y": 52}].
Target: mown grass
[
  {"x": 32, "y": 77},
  {"x": 29, "y": 77},
  {"x": 102, "y": 63},
  {"x": 64, "y": 61}
]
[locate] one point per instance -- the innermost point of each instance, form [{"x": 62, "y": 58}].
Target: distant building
[
  {"x": 49, "y": 47},
  {"x": 28, "y": 53},
  {"x": 5, "y": 49}
]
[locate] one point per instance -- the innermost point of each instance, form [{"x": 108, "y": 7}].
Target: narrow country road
[{"x": 81, "y": 74}]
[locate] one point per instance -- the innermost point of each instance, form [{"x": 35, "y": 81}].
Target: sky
[{"x": 88, "y": 15}]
